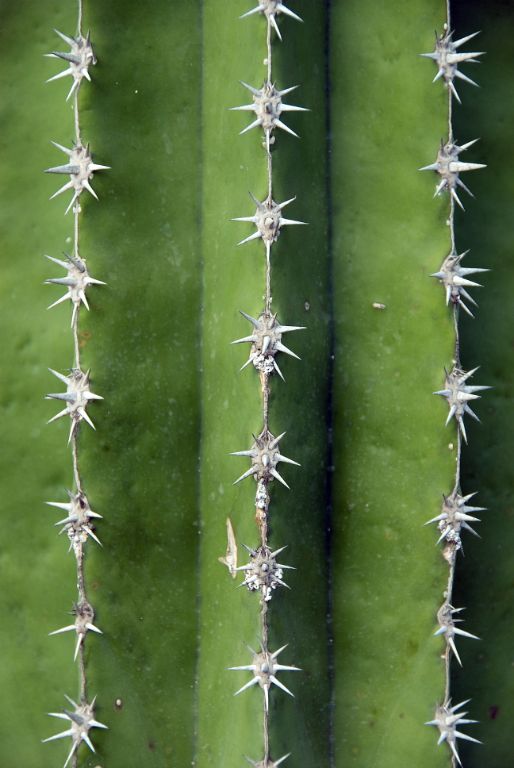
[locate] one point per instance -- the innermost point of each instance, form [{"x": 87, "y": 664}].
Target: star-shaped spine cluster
[
  {"x": 268, "y": 219},
  {"x": 80, "y": 169},
  {"x": 78, "y": 522},
  {"x": 454, "y": 516},
  {"x": 84, "y": 617},
  {"x": 268, "y": 107},
  {"x": 454, "y": 278},
  {"x": 263, "y": 573},
  {"x": 447, "y": 58},
  {"x": 448, "y": 166},
  {"x": 79, "y": 59},
  {"x": 459, "y": 395},
  {"x": 76, "y": 282},
  {"x": 266, "y": 341},
  {"x": 81, "y": 720},
  {"x": 264, "y": 668},
  {"x": 447, "y": 719},
  {"x": 271, "y": 9},
  {"x": 265, "y": 455},
  {"x": 445, "y": 617},
  {"x": 77, "y": 397}
]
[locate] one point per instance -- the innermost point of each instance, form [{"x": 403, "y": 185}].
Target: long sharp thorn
[
  {"x": 89, "y": 188},
  {"x": 64, "y": 188},
  {"x": 463, "y": 40},
  {"x": 84, "y": 414},
  {"x": 287, "y": 12},
  {"x": 58, "y": 416},
  {"x": 452, "y": 645},
  {"x": 465, "y": 736},
  {"x": 277, "y": 682},
  {"x": 77, "y": 647},
  {"x": 243, "y": 108},
  {"x": 285, "y": 128},
  {"x": 251, "y": 13},
  {"x": 249, "y": 127},
  {"x": 286, "y": 202},
  {"x": 247, "y": 685},
  {"x": 60, "y": 300},
  {"x": 278, "y": 477},
  {"x": 246, "y": 474},
  {"x": 66, "y": 151},
  {"x": 287, "y": 222},
  {"x": 72, "y": 202},
  {"x": 253, "y": 90},
  {"x": 275, "y": 365},
  {"x": 69, "y": 628},
  {"x": 62, "y": 264},
  {"x": 251, "y": 319},
  {"x": 69, "y": 169},
  {"x": 94, "y": 536},
  {"x": 65, "y": 72},
  {"x": 464, "y": 77},
  {"x": 250, "y": 359},
  {"x": 276, "y": 440},
  {"x": 454, "y": 91},
  {"x": 88, "y": 741},
  {"x": 459, "y": 631},
  {"x": 287, "y": 461},
  {"x": 287, "y": 328},
  {"x": 293, "y": 108},
  {"x": 274, "y": 24},
  {"x": 282, "y": 348},
  {"x": 285, "y": 91},
  {"x": 457, "y": 58},
  {"x": 254, "y": 236},
  {"x": 71, "y": 41},
  {"x": 62, "y": 735},
  {"x": 243, "y": 340},
  {"x": 456, "y": 198}
]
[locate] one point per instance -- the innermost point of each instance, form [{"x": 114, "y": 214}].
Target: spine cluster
[
  {"x": 263, "y": 574},
  {"x": 457, "y": 509},
  {"x": 79, "y": 519}
]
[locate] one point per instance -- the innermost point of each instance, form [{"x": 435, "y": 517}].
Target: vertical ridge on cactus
[
  {"x": 78, "y": 394},
  {"x": 374, "y": 452},
  {"x": 457, "y": 392}
]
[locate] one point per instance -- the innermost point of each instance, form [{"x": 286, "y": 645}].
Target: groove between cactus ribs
[
  {"x": 79, "y": 520},
  {"x": 457, "y": 513}
]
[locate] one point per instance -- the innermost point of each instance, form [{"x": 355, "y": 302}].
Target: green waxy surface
[
  {"x": 142, "y": 464},
  {"x": 391, "y": 456},
  {"x": 140, "y": 468},
  {"x": 485, "y": 576},
  {"x": 37, "y": 576},
  {"x": 157, "y": 340},
  {"x": 231, "y": 409}
]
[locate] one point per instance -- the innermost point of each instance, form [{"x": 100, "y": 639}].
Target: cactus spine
[
  {"x": 79, "y": 520},
  {"x": 457, "y": 513}
]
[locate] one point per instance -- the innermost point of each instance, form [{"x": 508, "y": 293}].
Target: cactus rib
[
  {"x": 454, "y": 516},
  {"x": 263, "y": 574},
  {"x": 80, "y": 519}
]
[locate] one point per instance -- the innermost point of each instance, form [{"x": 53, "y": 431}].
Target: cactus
[{"x": 366, "y": 597}]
